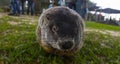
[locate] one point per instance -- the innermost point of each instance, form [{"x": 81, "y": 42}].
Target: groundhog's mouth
[{"x": 65, "y": 45}]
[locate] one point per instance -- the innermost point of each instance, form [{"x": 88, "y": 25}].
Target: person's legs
[
  {"x": 78, "y": 8},
  {"x": 84, "y": 13},
  {"x": 13, "y": 9},
  {"x": 28, "y": 8},
  {"x": 69, "y": 4},
  {"x": 59, "y": 2},
  {"x": 50, "y": 6},
  {"x": 18, "y": 6},
  {"x": 32, "y": 8},
  {"x": 22, "y": 4},
  {"x": 74, "y": 6}
]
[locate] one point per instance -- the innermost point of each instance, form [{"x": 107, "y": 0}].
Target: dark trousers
[
  {"x": 30, "y": 7},
  {"x": 15, "y": 6},
  {"x": 80, "y": 9},
  {"x": 71, "y": 5},
  {"x": 22, "y": 5}
]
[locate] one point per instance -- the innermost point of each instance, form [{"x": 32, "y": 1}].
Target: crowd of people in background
[
  {"x": 18, "y": 7},
  {"x": 79, "y": 6}
]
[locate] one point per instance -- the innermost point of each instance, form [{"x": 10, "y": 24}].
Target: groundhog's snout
[{"x": 66, "y": 45}]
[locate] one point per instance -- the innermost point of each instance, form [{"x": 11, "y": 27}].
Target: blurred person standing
[
  {"x": 81, "y": 8},
  {"x": 71, "y": 4},
  {"x": 30, "y": 8},
  {"x": 18, "y": 7},
  {"x": 23, "y": 5},
  {"x": 15, "y": 7},
  {"x": 62, "y": 3},
  {"x": 51, "y": 3}
]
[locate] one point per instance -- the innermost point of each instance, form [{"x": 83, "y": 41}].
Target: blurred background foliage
[{"x": 4, "y": 3}]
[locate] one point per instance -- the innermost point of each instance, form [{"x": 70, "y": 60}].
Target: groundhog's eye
[{"x": 54, "y": 28}]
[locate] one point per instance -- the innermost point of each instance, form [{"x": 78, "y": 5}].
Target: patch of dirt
[
  {"x": 112, "y": 33},
  {"x": 14, "y": 23},
  {"x": 2, "y": 14},
  {"x": 26, "y": 18}
]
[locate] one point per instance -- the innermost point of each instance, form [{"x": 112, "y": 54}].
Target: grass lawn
[
  {"x": 18, "y": 44},
  {"x": 1, "y": 10},
  {"x": 102, "y": 26}
]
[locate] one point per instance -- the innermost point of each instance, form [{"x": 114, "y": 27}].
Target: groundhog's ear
[{"x": 49, "y": 16}]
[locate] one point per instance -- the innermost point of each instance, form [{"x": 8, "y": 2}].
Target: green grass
[
  {"x": 18, "y": 45},
  {"x": 1, "y": 10},
  {"x": 102, "y": 26}
]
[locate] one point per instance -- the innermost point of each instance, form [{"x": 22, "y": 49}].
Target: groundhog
[{"x": 60, "y": 31}]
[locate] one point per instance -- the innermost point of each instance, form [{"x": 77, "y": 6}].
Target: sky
[{"x": 115, "y": 4}]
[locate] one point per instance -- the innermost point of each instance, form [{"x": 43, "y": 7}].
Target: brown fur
[{"x": 60, "y": 31}]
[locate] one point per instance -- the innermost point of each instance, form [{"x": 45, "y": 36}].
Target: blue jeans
[
  {"x": 30, "y": 7},
  {"x": 15, "y": 6},
  {"x": 22, "y": 4},
  {"x": 50, "y": 6},
  {"x": 61, "y": 3},
  {"x": 82, "y": 11}
]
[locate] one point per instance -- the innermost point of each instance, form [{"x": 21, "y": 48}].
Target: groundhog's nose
[{"x": 66, "y": 45}]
